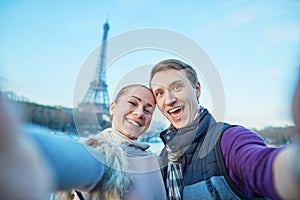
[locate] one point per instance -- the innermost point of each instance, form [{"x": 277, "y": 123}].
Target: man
[{"x": 209, "y": 160}]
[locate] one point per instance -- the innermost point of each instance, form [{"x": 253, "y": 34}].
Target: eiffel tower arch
[{"x": 96, "y": 100}]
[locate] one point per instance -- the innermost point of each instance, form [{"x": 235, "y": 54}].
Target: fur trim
[
  {"x": 68, "y": 195},
  {"x": 116, "y": 177}
]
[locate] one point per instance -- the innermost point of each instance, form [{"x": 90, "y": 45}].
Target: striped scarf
[
  {"x": 175, "y": 181},
  {"x": 183, "y": 138}
]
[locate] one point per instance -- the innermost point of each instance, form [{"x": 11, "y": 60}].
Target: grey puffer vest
[{"x": 204, "y": 172}]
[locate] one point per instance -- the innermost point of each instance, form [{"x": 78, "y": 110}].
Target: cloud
[
  {"x": 282, "y": 33},
  {"x": 245, "y": 15},
  {"x": 273, "y": 72}
]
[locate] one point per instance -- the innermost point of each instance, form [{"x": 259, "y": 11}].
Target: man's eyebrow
[
  {"x": 139, "y": 99},
  {"x": 176, "y": 82},
  {"x": 160, "y": 86}
]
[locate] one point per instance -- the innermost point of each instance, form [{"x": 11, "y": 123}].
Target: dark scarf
[{"x": 182, "y": 140}]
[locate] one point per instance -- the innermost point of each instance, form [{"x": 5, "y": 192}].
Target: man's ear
[
  {"x": 111, "y": 108},
  {"x": 198, "y": 89}
]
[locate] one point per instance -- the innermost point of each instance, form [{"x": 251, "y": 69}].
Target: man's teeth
[
  {"x": 133, "y": 122},
  {"x": 174, "y": 109}
]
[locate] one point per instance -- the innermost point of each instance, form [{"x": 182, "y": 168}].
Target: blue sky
[{"x": 254, "y": 45}]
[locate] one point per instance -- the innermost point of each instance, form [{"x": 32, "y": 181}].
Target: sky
[{"x": 49, "y": 50}]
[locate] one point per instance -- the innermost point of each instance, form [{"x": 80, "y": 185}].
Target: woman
[{"x": 131, "y": 172}]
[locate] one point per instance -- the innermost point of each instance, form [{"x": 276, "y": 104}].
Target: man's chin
[{"x": 179, "y": 124}]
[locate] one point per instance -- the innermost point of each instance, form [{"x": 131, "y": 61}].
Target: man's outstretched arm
[
  {"x": 286, "y": 167},
  {"x": 33, "y": 165}
]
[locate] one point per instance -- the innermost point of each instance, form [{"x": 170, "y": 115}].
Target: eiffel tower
[{"x": 96, "y": 100}]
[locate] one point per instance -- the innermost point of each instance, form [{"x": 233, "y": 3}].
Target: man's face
[{"x": 175, "y": 96}]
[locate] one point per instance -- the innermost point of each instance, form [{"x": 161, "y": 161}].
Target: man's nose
[{"x": 170, "y": 98}]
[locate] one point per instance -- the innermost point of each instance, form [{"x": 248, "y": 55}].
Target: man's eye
[
  {"x": 177, "y": 87},
  {"x": 158, "y": 94}
]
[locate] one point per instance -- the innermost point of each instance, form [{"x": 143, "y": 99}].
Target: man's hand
[
  {"x": 23, "y": 173},
  {"x": 296, "y": 107}
]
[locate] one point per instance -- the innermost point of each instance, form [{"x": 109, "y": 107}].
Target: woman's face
[{"x": 132, "y": 111}]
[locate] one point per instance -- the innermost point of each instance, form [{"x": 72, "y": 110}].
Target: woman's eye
[
  {"x": 132, "y": 103},
  {"x": 148, "y": 111}
]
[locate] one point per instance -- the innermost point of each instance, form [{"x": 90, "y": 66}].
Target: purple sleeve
[{"x": 249, "y": 161}]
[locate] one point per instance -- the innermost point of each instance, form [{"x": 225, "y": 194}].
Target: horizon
[{"x": 165, "y": 122}]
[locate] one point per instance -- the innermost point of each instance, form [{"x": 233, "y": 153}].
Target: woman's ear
[{"x": 111, "y": 108}]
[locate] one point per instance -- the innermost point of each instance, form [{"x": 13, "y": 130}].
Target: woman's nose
[{"x": 138, "y": 112}]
